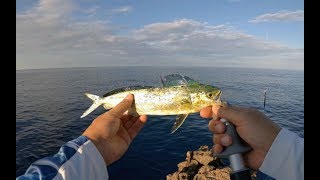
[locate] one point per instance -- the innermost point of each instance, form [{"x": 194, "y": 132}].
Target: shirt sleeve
[
  {"x": 285, "y": 158},
  {"x": 77, "y": 159}
]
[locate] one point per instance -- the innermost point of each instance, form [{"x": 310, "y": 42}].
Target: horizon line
[{"x": 181, "y": 66}]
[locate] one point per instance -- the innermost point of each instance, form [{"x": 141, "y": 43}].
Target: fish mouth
[{"x": 217, "y": 98}]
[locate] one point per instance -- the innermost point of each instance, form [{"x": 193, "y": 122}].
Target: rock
[
  {"x": 182, "y": 165},
  {"x": 203, "y": 155},
  {"x": 204, "y": 169},
  {"x": 174, "y": 176},
  {"x": 189, "y": 167},
  {"x": 200, "y": 177},
  {"x": 203, "y": 148},
  {"x": 201, "y": 165},
  {"x": 208, "y": 172},
  {"x": 189, "y": 156},
  {"x": 205, "y": 172},
  {"x": 223, "y": 173},
  {"x": 183, "y": 176}
]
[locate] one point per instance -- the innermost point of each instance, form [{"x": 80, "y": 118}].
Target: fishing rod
[
  {"x": 234, "y": 154},
  {"x": 236, "y": 149},
  {"x": 264, "y": 98}
]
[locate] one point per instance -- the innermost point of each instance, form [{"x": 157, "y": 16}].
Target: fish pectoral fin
[
  {"x": 132, "y": 110},
  {"x": 179, "y": 120}
]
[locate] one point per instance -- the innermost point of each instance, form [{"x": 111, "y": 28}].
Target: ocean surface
[{"x": 49, "y": 103}]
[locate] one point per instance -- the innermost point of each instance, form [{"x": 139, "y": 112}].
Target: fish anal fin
[{"x": 179, "y": 121}]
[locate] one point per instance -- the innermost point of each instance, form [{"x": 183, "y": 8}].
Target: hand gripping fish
[{"x": 180, "y": 95}]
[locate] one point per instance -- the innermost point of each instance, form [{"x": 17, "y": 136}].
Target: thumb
[
  {"x": 122, "y": 107},
  {"x": 233, "y": 114}
]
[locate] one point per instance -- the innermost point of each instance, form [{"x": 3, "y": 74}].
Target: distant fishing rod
[{"x": 264, "y": 98}]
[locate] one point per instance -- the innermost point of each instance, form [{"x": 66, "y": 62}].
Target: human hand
[
  {"x": 252, "y": 126},
  {"x": 113, "y": 131}
]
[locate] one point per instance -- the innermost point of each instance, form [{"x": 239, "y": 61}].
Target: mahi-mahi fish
[{"x": 180, "y": 95}]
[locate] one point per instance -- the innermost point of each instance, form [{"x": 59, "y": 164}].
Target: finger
[
  {"x": 216, "y": 126},
  {"x": 137, "y": 126},
  {"x": 125, "y": 118},
  {"x": 222, "y": 139},
  {"x": 122, "y": 107},
  {"x": 206, "y": 112},
  {"x": 217, "y": 148},
  {"x": 124, "y": 135},
  {"x": 219, "y": 127},
  {"x": 130, "y": 122},
  {"x": 212, "y": 125},
  {"x": 233, "y": 114}
]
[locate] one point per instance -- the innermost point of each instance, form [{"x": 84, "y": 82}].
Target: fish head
[
  {"x": 212, "y": 94},
  {"x": 207, "y": 95}
]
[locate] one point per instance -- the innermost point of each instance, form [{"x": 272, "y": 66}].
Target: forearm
[{"x": 77, "y": 159}]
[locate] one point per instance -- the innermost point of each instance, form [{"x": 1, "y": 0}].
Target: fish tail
[{"x": 96, "y": 103}]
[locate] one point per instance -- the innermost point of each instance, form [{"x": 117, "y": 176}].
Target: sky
[{"x": 211, "y": 33}]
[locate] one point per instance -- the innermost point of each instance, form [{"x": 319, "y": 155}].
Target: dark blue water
[{"x": 49, "y": 103}]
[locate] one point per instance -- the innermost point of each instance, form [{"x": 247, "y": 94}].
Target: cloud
[
  {"x": 92, "y": 11},
  {"x": 47, "y": 37},
  {"x": 191, "y": 37},
  {"x": 280, "y": 16},
  {"x": 219, "y": 45},
  {"x": 122, "y": 10}
]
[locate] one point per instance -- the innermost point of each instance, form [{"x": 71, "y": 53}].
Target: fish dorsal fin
[
  {"x": 179, "y": 120},
  {"x": 176, "y": 80},
  {"x": 123, "y": 89}
]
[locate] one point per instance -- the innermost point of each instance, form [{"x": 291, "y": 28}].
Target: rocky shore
[{"x": 201, "y": 165}]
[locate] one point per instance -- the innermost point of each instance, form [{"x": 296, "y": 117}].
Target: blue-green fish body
[{"x": 180, "y": 97}]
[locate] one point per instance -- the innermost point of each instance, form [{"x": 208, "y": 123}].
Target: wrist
[
  {"x": 274, "y": 133},
  {"x": 100, "y": 146}
]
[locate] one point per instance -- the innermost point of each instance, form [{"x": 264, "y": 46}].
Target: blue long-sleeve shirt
[
  {"x": 80, "y": 159},
  {"x": 77, "y": 159}
]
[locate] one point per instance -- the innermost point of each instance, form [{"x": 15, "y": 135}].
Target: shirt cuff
[
  {"x": 285, "y": 156},
  {"x": 87, "y": 163}
]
